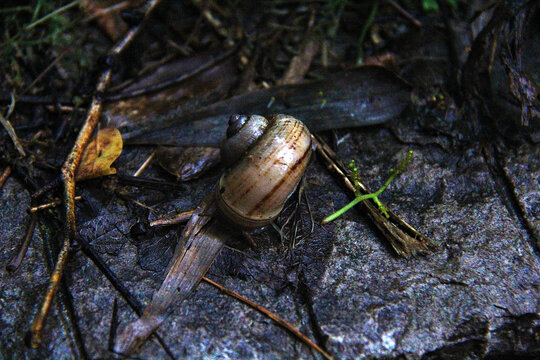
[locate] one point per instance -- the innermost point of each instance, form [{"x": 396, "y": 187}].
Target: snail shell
[{"x": 268, "y": 159}]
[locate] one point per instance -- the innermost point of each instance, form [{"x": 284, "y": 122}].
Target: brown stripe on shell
[
  {"x": 289, "y": 134},
  {"x": 245, "y": 199},
  {"x": 276, "y": 187}
]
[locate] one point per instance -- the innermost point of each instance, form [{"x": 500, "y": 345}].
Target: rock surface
[{"x": 476, "y": 295}]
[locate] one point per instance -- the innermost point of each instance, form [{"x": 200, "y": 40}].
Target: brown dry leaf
[
  {"x": 187, "y": 163},
  {"x": 100, "y": 153}
]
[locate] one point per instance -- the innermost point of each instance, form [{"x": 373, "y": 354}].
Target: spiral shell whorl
[{"x": 242, "y": 133}]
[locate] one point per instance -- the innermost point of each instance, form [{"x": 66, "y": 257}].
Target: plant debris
[
  {"x": 455, "y": 81},
  {"x": 102, "y": 150}
]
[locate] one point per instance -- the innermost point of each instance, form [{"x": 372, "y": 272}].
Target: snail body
[{"x": 268, "y": 161}]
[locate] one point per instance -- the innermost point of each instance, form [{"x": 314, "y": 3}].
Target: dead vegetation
[{"x": 69, "y": 69}]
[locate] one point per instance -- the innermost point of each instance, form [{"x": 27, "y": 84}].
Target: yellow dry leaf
[{"x": 100, "y": 153}]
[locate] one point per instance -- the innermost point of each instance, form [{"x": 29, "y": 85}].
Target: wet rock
[{"x": 476, "y": 295}]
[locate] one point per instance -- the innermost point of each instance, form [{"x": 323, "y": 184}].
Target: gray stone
[{"x": 475, "y": 295}]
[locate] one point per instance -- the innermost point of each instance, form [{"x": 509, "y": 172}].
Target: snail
[
  {"x": 265, "y": 160},
  {"x": 268, "y": 159}
]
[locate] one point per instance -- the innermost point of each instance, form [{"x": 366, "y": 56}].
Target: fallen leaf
[
  {"x": 364, "y": 96},
  {"x": 187, "y": 163},
  {"x": 99, "y": 155}
]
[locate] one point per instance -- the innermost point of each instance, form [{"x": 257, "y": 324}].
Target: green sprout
[{"x": 402, "y": 165}]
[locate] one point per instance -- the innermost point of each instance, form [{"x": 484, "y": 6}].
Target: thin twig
[
  {"x": 64, "y": 301},
  {"x": 18, "y": 258},
  {"x": 114, "y": 325},
  {"x": 48, "y": 205},
  {"x": 68, "y": 176},
  {"x": 173, "y": 220},
  {"x": 16, "y": 9},
  {"x": 5, "y": 175},
  {"x": 33, "y": 99},
  {"x": 113, "y": 8},
  {"x": 62, "y": 108},
  {"x": 149, "y": 183},
  {"x": 48, "y": 68},
  {"x": 145, "y": 164},
  {"x": 404, "y": 13},
  {"x": 51, "y": 14},
  {"x": 272, "y": 316},
  {"x": 10, "y": 130},
  {"x": 204, "y": 7},
  {"x": 48, "y": 187}
]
